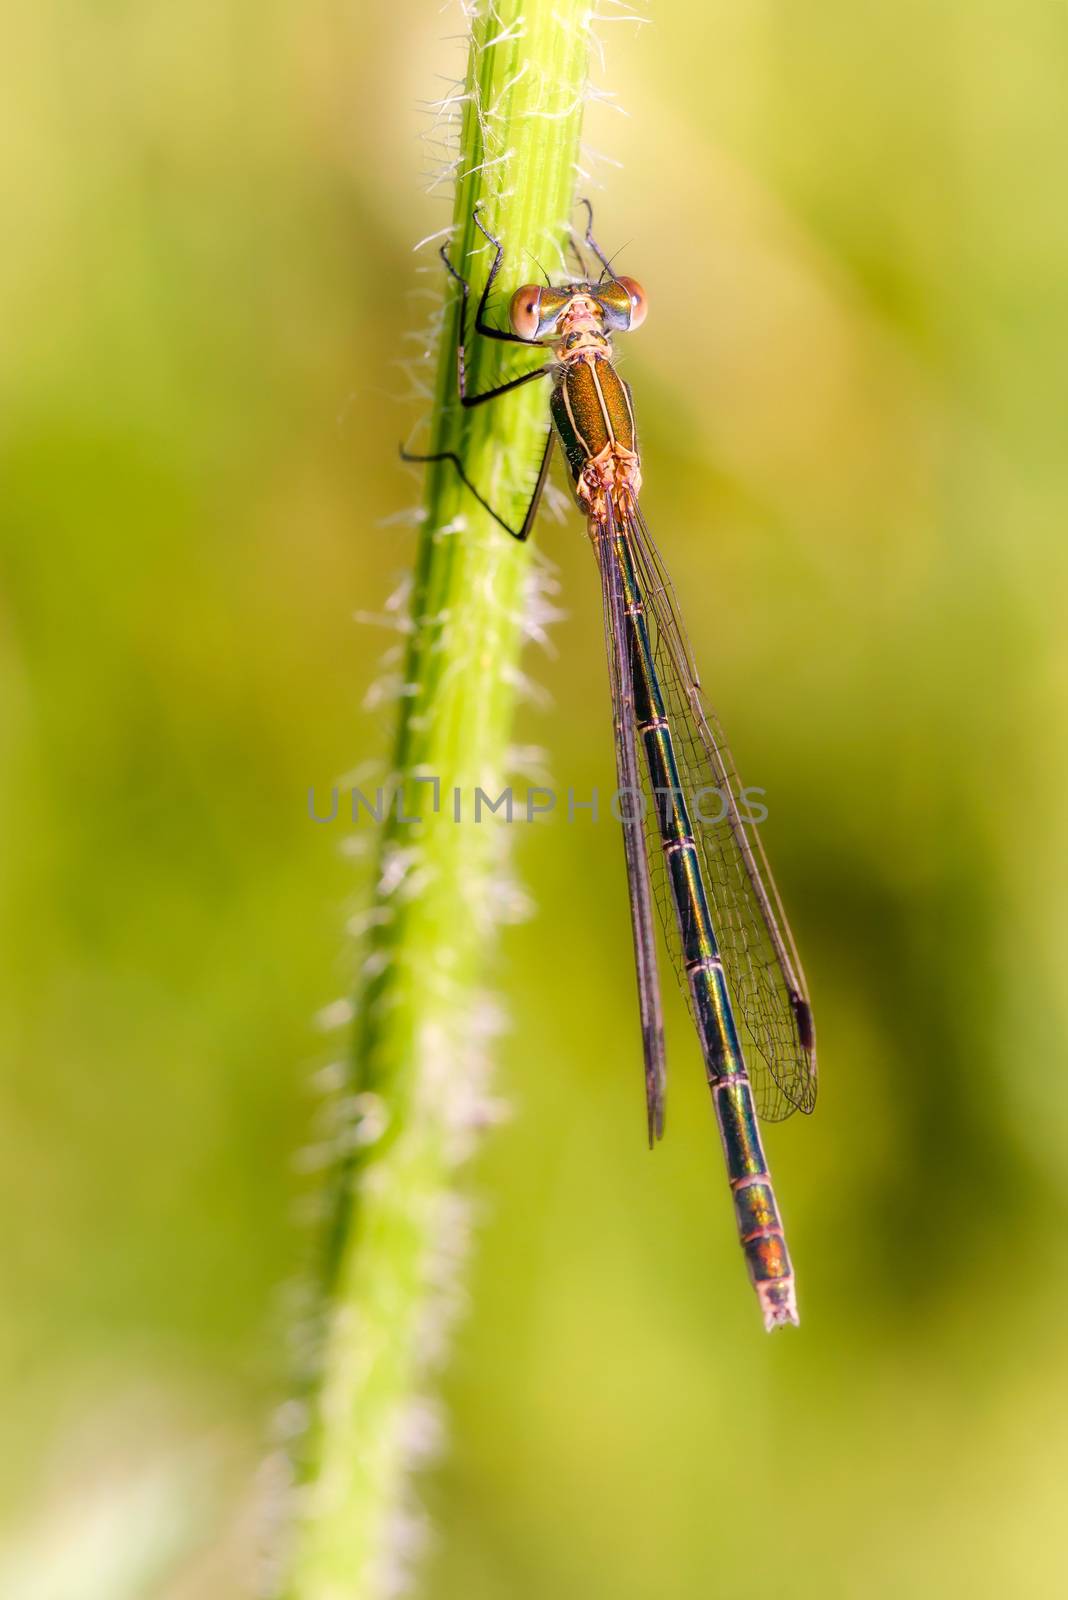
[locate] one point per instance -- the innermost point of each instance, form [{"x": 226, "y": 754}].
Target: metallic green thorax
[{"x": 591, "y": 411}]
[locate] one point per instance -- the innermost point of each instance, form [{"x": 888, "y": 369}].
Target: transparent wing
[
  {"x": 628, "y": 775},
  {"x": 760, "y": 960}
]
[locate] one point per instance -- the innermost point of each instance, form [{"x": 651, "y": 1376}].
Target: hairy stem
[{"x": 396, "y": 1232}]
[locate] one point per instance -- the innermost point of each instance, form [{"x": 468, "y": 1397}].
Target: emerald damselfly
[{"x": 721, "y": 914}]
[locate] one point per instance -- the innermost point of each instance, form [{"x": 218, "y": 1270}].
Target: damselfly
[{"x": 722, "y": 918}]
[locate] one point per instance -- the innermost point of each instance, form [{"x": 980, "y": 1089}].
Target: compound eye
[
  {"x": 639, "y": 305},
  {"x": 525, "y": 311}
]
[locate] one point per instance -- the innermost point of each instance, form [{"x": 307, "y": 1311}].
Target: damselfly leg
[
  {"x": 522, "y": 533},
  {"x": 592, "y": 242},
  {"x": 483, "y": 328}
]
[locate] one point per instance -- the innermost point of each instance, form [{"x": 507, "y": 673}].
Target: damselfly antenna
[
  {"x": 607, "y": 271},
  {"x": 541, "y": 269}
]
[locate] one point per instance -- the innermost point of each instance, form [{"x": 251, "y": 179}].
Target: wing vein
[
  {"x": 629, "y": 781},
  {"x": 760, "y": 958}
]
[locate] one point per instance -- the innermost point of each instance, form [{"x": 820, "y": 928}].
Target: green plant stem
[{"x": 398, "y": 1221}]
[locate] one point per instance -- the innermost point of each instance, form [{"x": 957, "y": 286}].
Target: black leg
[
  {"x": 584, "y": 271},
  {"x": 481, "y": 325},
  {"x": 521, "y": 533},
  {"x": 592, "y": 242},
  {"x": 468, "y": 400},
  {"x": 539, "y": 487}
]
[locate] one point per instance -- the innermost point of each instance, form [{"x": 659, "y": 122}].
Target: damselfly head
[{"x": 537, "y": 312}]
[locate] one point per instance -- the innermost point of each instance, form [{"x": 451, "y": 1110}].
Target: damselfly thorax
[
  {"x": 591, "y": 405},
  {"x": 594, "y": 420}
]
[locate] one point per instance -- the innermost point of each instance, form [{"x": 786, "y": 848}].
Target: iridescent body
[{"x": 707, "y": 876}]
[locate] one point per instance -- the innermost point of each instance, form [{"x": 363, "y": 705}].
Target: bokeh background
[{"x": 852, "y": 387}]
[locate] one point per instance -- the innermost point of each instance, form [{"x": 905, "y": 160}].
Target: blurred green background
[{"x": 852, "y": 386}]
